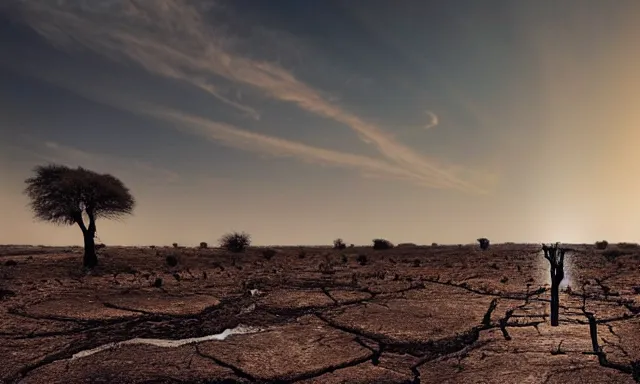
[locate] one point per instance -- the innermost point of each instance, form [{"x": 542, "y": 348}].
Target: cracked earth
[{"x": 444, "y": 314}]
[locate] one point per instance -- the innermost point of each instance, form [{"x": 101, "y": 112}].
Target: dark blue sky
[{"x": 304, "y": 121}]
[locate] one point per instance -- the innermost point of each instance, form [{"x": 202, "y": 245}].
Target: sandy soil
[{"x": 445, "y": 314}]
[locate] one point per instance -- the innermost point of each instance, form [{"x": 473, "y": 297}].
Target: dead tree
[{"x": 555, "y": 256}]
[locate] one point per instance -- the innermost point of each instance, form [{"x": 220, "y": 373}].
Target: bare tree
[
  {"x": 63, "y": 195},
  {"x": 555, "y": 256}
]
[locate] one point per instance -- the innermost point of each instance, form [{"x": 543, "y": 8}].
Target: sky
[{"x": 300, "y": 122}]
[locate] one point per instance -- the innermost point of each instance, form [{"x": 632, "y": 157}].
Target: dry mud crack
[{"x": 458, "y": 316}]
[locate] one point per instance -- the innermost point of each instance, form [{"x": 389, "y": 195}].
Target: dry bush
[
  {"x": 6, "y": 293},
  {"x": 269, "y": 253},
  {"x": 612, "y": 254},
  {"x": 326, "y": 268},
  {"x": 235, "y": 242},
  {"x": 171, "y": 260},
  {"x": 484, "y": 243},
  {"x": 602, "y": 245},
  {"x": 339, "y": 244},
  {"x": 381, "y": 244}
]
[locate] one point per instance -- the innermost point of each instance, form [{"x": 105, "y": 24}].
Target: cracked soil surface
[{"x": 440, "y": 314}]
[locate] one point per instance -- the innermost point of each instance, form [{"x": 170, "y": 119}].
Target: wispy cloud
[
  {"x": 235, "y": 137},
  {"x": 142, "y": 32},
  {"x": 220, "y": 133},
  {"x": 433, "y": 120},
  {"x": 171, "y": 38}
]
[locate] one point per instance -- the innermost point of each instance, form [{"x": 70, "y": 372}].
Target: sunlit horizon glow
[{"x": 416, "y": 123}]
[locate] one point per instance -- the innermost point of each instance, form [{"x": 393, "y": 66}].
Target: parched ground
[{"x": 440, "y": 314}]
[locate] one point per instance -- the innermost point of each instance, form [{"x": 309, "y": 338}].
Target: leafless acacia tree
[
  {"x": 63, "y": 195},
  {"x": 555, "y": 255}
]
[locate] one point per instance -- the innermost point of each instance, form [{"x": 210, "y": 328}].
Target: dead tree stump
[{"x": 555, "y": 256}]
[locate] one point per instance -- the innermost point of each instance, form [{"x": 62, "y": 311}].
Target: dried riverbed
[{"x": 408, "y": 315}]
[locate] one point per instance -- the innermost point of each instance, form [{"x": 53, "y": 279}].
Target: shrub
[
  {"x": 268, "y": 253},
  {"x": 362, "y": 259},
  {"x": 344, "y": 259},
  {"x": 204, "y": 245},
  {"x": 602, "y": 245},
  {"x": 172, "y": 260},
  {"x": 382, "y": 244},
  {"x": 302, "y": 254},
  {"x": 339, "y": 244},
  {"x": 611, "y": 254},
  {"x": 175, "y": 245},
  {"x": 100, "y": 246},
  {"x": 434, "y": 244},
  {"x": 484, "y": 243},
  {"x": 6, "y": 293},
  {"x": 158, "y": 282},
  {"x": 217, "y": 264},
  {"x": 416, "y": 263},
  {"x": 326, "y": 268},
  {"x": 235, "y": 242},
  {"x": 10, "y": 263}
]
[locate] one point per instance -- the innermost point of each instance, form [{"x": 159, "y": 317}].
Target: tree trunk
[
  {"x": 555, "y": 303},
  {"x": 90, "y": 259},
  {"x": 593, "y": 331}
]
